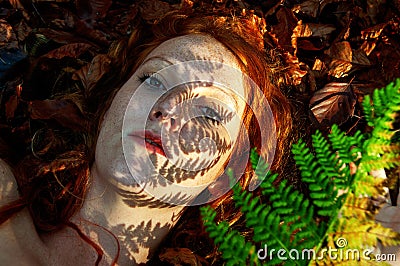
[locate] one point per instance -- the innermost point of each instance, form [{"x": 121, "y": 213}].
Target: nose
[{"x": 167, "y": 114}]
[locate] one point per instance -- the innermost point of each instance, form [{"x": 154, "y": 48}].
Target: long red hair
[{"x": 53, "y": 181}]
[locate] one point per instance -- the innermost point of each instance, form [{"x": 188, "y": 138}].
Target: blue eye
[
  {"x": 211, "y": 113},
  {"x": 152, "y": 81}
]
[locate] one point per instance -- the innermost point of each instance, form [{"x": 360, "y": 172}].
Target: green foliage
[{"x": 341, "y": 174}]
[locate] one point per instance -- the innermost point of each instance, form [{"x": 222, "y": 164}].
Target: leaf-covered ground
[{"x": 335, "y": 51}]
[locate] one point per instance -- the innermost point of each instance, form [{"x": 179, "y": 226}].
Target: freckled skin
[
  {"x": 115, "y": 207},
  {"x": 110, "y": 161}
]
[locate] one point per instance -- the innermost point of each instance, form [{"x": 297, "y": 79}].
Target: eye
[
  {"x": 210, "y": 113},
  {"x": 152, "y": 80}
]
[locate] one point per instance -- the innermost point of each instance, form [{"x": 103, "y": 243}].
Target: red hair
[{"x": 54, "y": 181}]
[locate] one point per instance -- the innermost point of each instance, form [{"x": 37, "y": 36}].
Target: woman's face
[{"x": 172, "y": 126}]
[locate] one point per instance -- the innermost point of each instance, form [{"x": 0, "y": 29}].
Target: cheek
[
  {"x": 197, "y": 154},
  {"x": 204, "y": 136}
]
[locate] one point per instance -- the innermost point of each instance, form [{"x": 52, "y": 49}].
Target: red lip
[{"x": 152, "y": 141}]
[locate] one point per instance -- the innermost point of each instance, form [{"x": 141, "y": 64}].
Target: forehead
[
  {"x": 203, "y": 58},
  {"x": 195, "y": 47}
]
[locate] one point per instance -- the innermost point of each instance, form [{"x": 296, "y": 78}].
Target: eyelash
[
  {"x": 148, "y": 77},
  {"x": 144, "y": 76},
  {"x": 217, "y": 114}
]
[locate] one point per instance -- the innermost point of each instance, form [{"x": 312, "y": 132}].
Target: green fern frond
[
  {"x": 321, "y": 184},
  {"x": 341, "y": 174},
  {"x": 384, "y": 103},
  {"x": 233, "y": 247}
]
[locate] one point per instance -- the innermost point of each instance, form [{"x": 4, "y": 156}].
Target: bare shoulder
[
  {"x": 8, "y": 184},
  {"x": 19, "y": 241}
]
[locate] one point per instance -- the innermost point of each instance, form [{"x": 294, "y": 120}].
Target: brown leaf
[
  {"x": 318, "y": 65},
  {"x": 313, "y": 29},
  {"x": 73, "y": 50},
  {"x": 182, "y": 256},
  {"x": 341, "y": 51},
  {"x": 83, "y": 28},
  {"x": 339, "y": 68},
  {"x": 22, "y": 30},
  {"x": 341, "y": 54},
  {"x": 92, "y": 72},
  {"x": 153, "y": 9},
  {"x": 310, "y": 45},
  {"x": 63, "y": 36},
  {"x": 93, "y": 9},
  {"x": 346, "y": 21},
  {"x": 99, "y": 8},
  {"x": 64, "y": 112},
  {"x": 284, "y": 29},
  {"x": 319, "y": 69},
  {"x": 311, "y": 36},
  {"x": 57, "y": 1},
  {"x": 123, "y": 18},
  {"x": 293, "y": 73},
  {"x": 333, "y": 104},
  {"x": 389, "y": 56},
  {"x": 310, "y": 8},
  {"x": 17, "y": 4},
  {"x": 373, "y": 32},
  {"x": 368, "y": 46},
  {"x": 11, "y": 106},
  {"x": 7, "y": 35},
  {"x": 373, "y": 9},
  {"x": 360, "y": 58}
]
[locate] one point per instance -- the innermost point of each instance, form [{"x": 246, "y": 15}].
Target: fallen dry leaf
[
  {"x": 318, "y": 65},
  {"x": 312, "y": 29},
  {"x": 92, "y": 9},
  {"x": 64, "y": 112},
  {"x": 294, "y": 73},
  {"x": 309, "y": 8},
  {"x": 153, "y": 9},
  {"x": 390, "y": 58},
  {"x": 341, "y": 51},
  {"x": 22, "y": 30},
  {"x": 93, "y": 71},
  {"x": 84, "y": 28},
  {"x": 7, "y": 35},
  {"x": 368, "y": 46},
  {"x": 333, "y": 104},
  {"x": 11, "y": 106},
  {"x": 342, "y": 55},
  {"x": 310, "y": 36},
  {"x": 283, "y": 31},
  {"x": 182, "y": 256},
  {"x": 63, "y": 37},
  {"x": 373, "y": 32},
  {"x": 360, "y": 58},
  {"x": 310, "y": 44},
  {"x": 339, "y": 68},
  {"x": 73, "y": 50},
  {"x": 123, "y": 19}
]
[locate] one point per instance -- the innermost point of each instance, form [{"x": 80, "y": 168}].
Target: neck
[{"x": 133, "y": 218}]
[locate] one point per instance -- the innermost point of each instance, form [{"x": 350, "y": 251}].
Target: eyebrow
[
  {"x": 227, "y": 92},
  {"x": 159, "y": 58}
]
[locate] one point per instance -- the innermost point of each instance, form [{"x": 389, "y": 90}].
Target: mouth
[{"x": 152, "y": 142}]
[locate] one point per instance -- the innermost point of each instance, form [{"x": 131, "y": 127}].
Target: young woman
[{"x": 180, "y": 105}]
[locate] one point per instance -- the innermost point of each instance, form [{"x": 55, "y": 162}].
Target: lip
[{"x": 152, "y": 141}]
